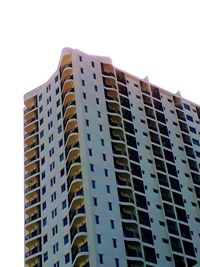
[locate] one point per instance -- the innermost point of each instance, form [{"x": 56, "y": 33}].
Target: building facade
[{"x": 111, "y": 170}]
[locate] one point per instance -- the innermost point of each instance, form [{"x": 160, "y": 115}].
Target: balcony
[
  {"x": 123, "y": 90},
  {"x": 127, "y": 212},
  {"x": 76, "y": 179},
  {"x": 107, "y": 69},
  {"x": 69, "y": 112},
  {"x": 31, "y": 119},
  {"x": 35, "y": 233},
  {"x": 155, "y": 92},
  {"x": 31, "y": 173},
  {"x": 113, "y": 107},
  {"x": 30, "y": 129},
  {"x": 67, "y": 72},
  {"x": 71, "y": 128},
  {"x": 130, "y": 230},
  {"x": 72, "y": 117},
  {"x": 67, "y": 86},
  {"x": 177, "y": 102},
  {"x": 109, "y": 82},
  {"x": 66, "y": 64},
  {"x": 33, "y": 217},
  {"x": 133, "y": 249},
  {"x": 144, "y": 87},
  {"x": 32, "y": 187},
  {"x": 80, "y": 210},
  {"x": 33, "y": 251},
  {"x": 34, "y": 201},
  {"x": 125, "y": 102},
  {"x": 125, "y": 195},
  {"x": 147, "y": 101},
  {"x": 149, "y": 113},
  {"x": 117, "y": 134},
  {"x": 111, "y": 95},
  {"x": 119, "y": 148},
  {"x": 123, "y": 179},
  {"x": 78, "y": 193},
  {"x": 115, "y": 120},
  {"x": 121, "y": 76},
  {"x": 121, "y": 163},
  {"x": 74, "y": 153},
  {"x": 30, "y": 104},
  {"x": 79, "y": 253},
  {"x": 69, "y": 100},
  {"x": 80, "y": 230}
]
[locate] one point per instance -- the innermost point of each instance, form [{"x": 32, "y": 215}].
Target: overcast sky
[{"x": 159, "y": 39}]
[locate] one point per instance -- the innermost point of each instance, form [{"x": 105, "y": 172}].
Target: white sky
[{"x": 159, "y": 39}]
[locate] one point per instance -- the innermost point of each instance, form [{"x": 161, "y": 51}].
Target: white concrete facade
[{"x": 111, "y": 170}]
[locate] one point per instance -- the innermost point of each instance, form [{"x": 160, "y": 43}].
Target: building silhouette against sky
[{"x": 111, "y": 170}]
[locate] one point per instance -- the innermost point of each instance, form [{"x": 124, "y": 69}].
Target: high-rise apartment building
[{"x": 111, "y": 170}]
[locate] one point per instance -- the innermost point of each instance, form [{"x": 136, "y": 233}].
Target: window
[
  {"x": 93, "y": 184},
  {"x": 43, "y": 190},
  {"x": 60, "y": 129},
  {"x": 114, "y": 242},
  {"x": 99, "y": 114},
  {"x": 49, "y": 112},
  {"x": 195, "y": 142},
  {"x": 52, "y": 166},
  {"x": 106, "y": 172},
  {"x": 43, "y": 175},
  {"x": 67, "y": 259},
  {"x": 189, "y": 118},
  {"x": 65, "y": 221},
  {"x": 100, "y": 128},
  {"x": 61, "y": 157},
  {"x": 94, "y": 76},
  {"x": 45, "y": 239},
  {"x": 93, "y": 65},
  {"x": 58, "y": 115},
  {"x": 63, "y": 188},
  {"x": 108, "y": 189},
  {"x": 84, "y": 95},
  {"x": 112, "y": 224},
  {"x": 88, "y": 137},
  {"x": 81, "y": 69},
  {"x": 102, "y": 142},
  {"x": 90, "y": 152},
  {"x": 50, "y": 138},
  {"x": 40, "y": 109},
  {"x": 83, "y": 82},
  {"x": 95, "y": 201},
  {"x": 45, "y": 256},
  {"x": 55, "y": 248},
  {"x": 66, "y": 239},
  {"x": 54, "y": 213},
  {"x": 56, "y": 264},
  {"x": 53, "y": 196},
  {"x": 104, "y": 157},
  {"x": 62, "y": 172},
  {"x": 186, "y": 106},
  {"x": 95, "y": 88},
  {"x": 42, "y": 161},
  {"x": 64, "y": 204},
  {"x": 44, "y": 205},
  {"x": 40, "y": 97},
  {"x": 101, "y": 258},
  {"x": 110, "y": 205},
  {"x": 60, "y": 143},
  {"x": 44, "y": 221},
  {"x": 57, "y": 91},
  {"x": 193, "y": 130},
  {"x": 55, "y": 230},
  {"x": 91, "y": 167},
  {"x": 41, "y": 121},
  {"x": 87, "y": 122},
  {"x": 116, "y": 262},
  {"x": 80, "y": 58},
  {"x": 86, "y": 109},
  {"x": 53, "y": 181},
  {"x": 50, "y": 125},
  {"x": 58, "y": 103},
  {"x": 99, "y": 238},
  {"x": 97, "y": 219}
]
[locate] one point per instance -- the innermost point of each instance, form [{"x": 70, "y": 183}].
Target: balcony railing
[
  {"x": 73, "y": 213},
  {"x": 33, "y": 251},
  {"x": 31, "y": 159},
  {"x": 32, "y": 218},
  {"x": 34, "y": 186},
  {"x": 83, "y": 248},
  {"x": 31, "y": 146},
  {"x": 32, "y": 202},
  {"x": 82, "y": 229},
  {"x": 69, "y": 164},
  {"x": 31, "y": 120},
  {"x": 29, "y": 109},
  {"x": 33, "y": 234},
  {"x": 78, "y": 193},
  {"x": 32, "y": 173},
  {"x": 73, "y": 178}
]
